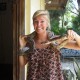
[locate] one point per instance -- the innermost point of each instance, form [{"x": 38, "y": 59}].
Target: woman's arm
[
  {"x": 22, "y": 61},
  {"x": 22, "y": 43},
  {"x": 73, "y": 40}
]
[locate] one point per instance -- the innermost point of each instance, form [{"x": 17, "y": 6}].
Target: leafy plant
[
  {"x": 68, "y": 75},
  {"x": 62, "y": 20},
  {"x": 76, "y": 69}
]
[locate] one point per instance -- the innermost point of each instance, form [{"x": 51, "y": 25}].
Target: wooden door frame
[{"x": 18, "y": 28}]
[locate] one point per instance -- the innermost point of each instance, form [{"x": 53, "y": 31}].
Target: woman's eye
[
  {"x": 35, "y": 21},
  {"x": 42, "y": 21},
  {"x": 39, "y": 21}
]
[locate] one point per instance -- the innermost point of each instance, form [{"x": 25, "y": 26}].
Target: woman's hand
[
  {"x": 72, "y": 35},
  {"x": 22, "y": 41}
]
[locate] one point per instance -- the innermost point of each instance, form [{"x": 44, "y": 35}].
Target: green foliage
[
  {"x": 76, "y": 23},
  {"x": 76, "y": 69},
  {"x": 54, "y": 16},
  {"x": 69, "y": 75},
  {"x": 69, "y": 19},
  {"x": 55, "y": 26},
  {"x": 73, "y": 15}
]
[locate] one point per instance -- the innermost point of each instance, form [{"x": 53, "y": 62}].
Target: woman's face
[{"x": 40, "y": 23}]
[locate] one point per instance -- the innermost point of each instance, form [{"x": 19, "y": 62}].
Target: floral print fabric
[{"x": 44, "y": 64}]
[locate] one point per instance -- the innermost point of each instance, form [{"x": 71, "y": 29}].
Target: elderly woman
[{"x": 44, "y": 60}]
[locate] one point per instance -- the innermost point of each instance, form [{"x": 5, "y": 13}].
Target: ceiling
[{"x": 55, "y": 4}]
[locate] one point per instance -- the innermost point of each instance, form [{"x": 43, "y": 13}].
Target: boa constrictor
[{"x": 56, "y": 41}]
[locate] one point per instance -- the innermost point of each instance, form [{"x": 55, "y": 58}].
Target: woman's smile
[{"x": 40, "y": 23}]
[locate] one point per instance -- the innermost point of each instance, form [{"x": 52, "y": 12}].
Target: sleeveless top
[{"x": 43, "y": 64}]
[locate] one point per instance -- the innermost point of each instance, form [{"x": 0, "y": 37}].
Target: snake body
[{"x": 55, "y": 41}]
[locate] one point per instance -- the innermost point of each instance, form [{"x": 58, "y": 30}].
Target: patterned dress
[{"x": 43, "y": 64}]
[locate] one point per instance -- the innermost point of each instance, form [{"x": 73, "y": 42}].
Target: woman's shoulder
[
  {"x": 31, "y": 35},
  {"x": 28, "y": 37},
  {"x": 50, "y": 34}
]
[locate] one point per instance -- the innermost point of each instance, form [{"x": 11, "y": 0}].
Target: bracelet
[{"x": 24, "y": 49}]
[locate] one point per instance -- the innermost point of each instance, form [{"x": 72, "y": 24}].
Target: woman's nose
[{"x": 38, "y": 23}]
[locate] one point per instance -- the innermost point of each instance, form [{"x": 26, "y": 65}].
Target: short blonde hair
[{"x": 42, "y": 12}]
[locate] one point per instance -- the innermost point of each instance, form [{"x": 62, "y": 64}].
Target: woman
[{"x": 44, "y": 60}]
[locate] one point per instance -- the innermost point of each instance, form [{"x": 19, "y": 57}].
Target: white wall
[
  {"x": 35, "y": 5},
  {"x": 27, "y": 16},
  {"x": 30, "y": 7}
]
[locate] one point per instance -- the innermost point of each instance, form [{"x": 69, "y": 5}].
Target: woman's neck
[{"x": 41, "y": 37}]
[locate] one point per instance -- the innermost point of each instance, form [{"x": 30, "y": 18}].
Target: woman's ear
[{"x": 48, "y": 28}]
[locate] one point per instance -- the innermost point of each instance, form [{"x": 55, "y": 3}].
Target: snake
[{"x": 55, "y": 41}]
